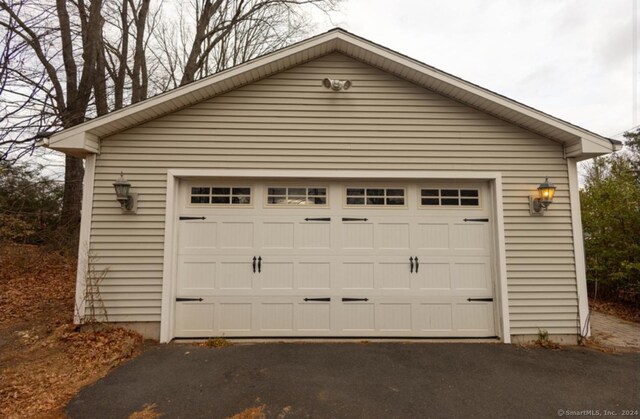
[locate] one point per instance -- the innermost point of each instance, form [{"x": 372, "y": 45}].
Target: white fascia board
[
  {"x": 586, "y": 149},
  {"x": 79, "y": 144}
]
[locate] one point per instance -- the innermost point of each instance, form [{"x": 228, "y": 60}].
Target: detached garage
[{"x": 334, "y": 188}]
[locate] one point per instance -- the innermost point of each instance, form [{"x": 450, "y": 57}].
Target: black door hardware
[
  {"x": 318, "y": 219},
  {"x": 318, "y": 299},
  {"x": 192, "y": 218},
  {"x": 411, "y": 262},
  {"x": 259, "y": 264},
  {"x": 188, "y": 299},
  {"x": 479, "y": 299},
  {"x": 254, "y": 264},
  {"x": 355, "y": 299},
  {"x": 481, "y": 220},
  {"x": 417, "y": 264},
  {"x": 355, "y": 219}
]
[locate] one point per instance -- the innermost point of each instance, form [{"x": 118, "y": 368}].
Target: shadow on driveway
[{"x": 376, "y": 380}]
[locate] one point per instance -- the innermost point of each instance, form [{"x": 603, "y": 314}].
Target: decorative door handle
[
  {"x": 355, "y": 299},
  {"x": 259, "y": 264},
  {"x": 411, "y": 262},
  {"x": 254, "y": 264},
  {"x": 417, "y": 264}
]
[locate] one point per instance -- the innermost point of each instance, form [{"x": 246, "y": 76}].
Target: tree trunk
[{"x": 72, "y": 202}]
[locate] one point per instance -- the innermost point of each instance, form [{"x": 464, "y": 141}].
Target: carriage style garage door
[{"x": 334, "y": 258}]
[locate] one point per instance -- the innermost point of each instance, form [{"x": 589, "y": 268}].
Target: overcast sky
[{"x": 569, "y": 58}]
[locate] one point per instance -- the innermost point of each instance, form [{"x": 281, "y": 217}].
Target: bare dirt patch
[{"x": 44, "y": 358}]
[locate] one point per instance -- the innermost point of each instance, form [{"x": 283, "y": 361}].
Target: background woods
[
  {"x": 611, "y": 220},
  {"x": 63, "y": 62}
]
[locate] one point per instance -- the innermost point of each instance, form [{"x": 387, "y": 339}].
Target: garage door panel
[
  {"x": 313, "y": 317},
  {"x": 394, "y": 317},
  {"x": 237, "y": 235},
  {"x": 235, "y": 316},
  {"x": 235, "y": 274},
  {"x": 392, "y": 235},
  {"x": 197, "y": 237},
  {"x": 471, "y": 275},
  {"x": 276, "y": 316},
  {"x": 194, "y": 319},
  {"x": 357, "y": 236},
  {"x": 313, "y": 235},
  {"x": 471, "y": 318},
  {"x": 310, "y": 259},
  {"x": 313, "y": 275},
  {"x": 275, "y": 275},
  {"x": 470, "y": 236},
  {"x": 357, "y": 276},
  {"x": 357, "y": 317},
  {"x": 434, "y": 317},
  {"x": 435, "y": 275},
  {"x": 198, "y": 275},
  {"x": 277, "y": 235},
  {"x": 393, "y": 275},
  {"x": 432, "y": 236}
]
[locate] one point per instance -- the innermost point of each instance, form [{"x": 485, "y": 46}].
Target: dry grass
[{"x": 44, "y": 359}]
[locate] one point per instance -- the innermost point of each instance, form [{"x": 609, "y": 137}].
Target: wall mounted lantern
[
  {"x": 539, "y": 204},
  {"x": 128, "y": 201}
]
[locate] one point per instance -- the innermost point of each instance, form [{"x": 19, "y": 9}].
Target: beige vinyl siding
[{"x": 289, "y": 121}]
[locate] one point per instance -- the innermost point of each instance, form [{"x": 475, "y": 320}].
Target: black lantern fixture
[
  {"x": 539, "y": 204},
  {"x": 128, "y": 201}
]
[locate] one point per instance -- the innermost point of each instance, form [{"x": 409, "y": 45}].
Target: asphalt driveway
[{"x": 375, "y": 380}]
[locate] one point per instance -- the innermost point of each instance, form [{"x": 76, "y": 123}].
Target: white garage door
[{"x": 334, "y": 258}]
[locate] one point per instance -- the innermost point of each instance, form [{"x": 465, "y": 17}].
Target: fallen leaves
[
  {"x": 251, "y": 413},
  {"x": 44, "y": 358},
  {"x": 148, "y": 412},
  {"x": 619, "y": 309}
]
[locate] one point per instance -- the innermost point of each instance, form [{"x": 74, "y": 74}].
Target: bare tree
[
  {"x": 43, "y": 38},
  {"x": 211, "y": 35},
  {"x": 63, "y": 62}
]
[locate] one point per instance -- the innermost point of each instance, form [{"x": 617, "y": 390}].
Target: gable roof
[{"x": 579, "y": 143}]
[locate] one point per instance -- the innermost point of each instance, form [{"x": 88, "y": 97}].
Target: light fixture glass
[
  {"x": 127, "y": 200},
  {"x": 539, "y": 204},
  {"x": 546, "y": 190}
]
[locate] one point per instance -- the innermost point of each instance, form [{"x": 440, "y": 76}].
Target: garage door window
[
  {"x": 220, "y": 195},
  {"x": 375, "y": 196},
  {"x": 296, "y": 195},
  {"x": 449, "y": 197}
]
